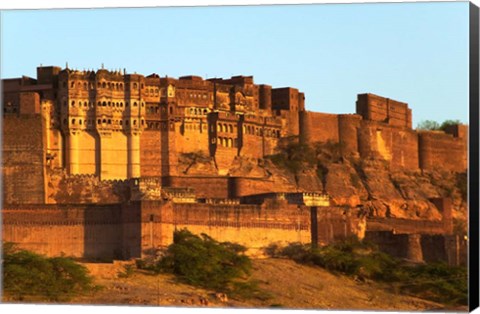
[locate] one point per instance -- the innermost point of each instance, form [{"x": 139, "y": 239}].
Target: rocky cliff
[{"x": 350, "y": 181}]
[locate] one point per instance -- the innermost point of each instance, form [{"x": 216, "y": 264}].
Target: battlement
[{"x": 377, "y": 108}]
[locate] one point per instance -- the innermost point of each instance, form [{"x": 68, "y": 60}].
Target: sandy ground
[{"x": 289, "y": 285}]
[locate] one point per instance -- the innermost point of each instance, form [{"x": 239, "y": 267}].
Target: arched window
[
  {"x": 230, "y": 128},
  {"x": 99, "y": 104},
  {"x": 80, "y": 121},
  {"x": 121, "y": 85},
  {"x": 72, "y": 84},
  {"x": 85, "y": 85},
  {"x": 120, "y": 122},
  {"x": 104, "y": 104},
  {"x": 109, "y": 121},
  {"x": 104, "y": 121},
  {"x": 134, "y": 104},
  {"x": 134, "y": 122},
  {"x": 73, "y": 103},
  {"x": 99, "y": 84},
  {"x": 79, "y": 103},
  {"x": 104, "y": 85},
  {"x": 135, "y": 85},
  {"x": 99, "y": 121},
  {"x": 73, "y": 121}
]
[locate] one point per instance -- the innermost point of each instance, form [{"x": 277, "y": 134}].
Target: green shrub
[
  {"x": 128, "y": 271},
  {"x": 438, "y": 282},
  {"x": 204, "y": 262},
  {"x": 295, "y": 157},
  {"x": 32, "y": 277}
]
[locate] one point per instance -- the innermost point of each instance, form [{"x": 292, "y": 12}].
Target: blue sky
[{"x": 412, "y": 52}]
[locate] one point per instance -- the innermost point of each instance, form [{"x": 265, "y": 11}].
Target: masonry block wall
[
  {"x": 318, "y": 127},
  {"x": 102, "y": 232},
  {"x": 438, "y": 148},
  {"x": 24, "y": 159},
  {"x": 381, "y": 109},
  {"x": 348, "y": 126}
]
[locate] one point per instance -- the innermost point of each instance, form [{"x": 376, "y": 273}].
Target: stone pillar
[
  {"x": 73, "y": 152},
  {"x": 414, "y": 248},
  {"x": 133, "y": 148},
  {"x": 452, "y": 248},
  {"x": 314, "y": 226}
]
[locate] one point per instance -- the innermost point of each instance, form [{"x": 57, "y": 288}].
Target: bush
[
  {"x": 428, "y": 125},
  {"x": 32, "y": 277},
  {"x": 431, "y": 125},
  {"x": 438, "y": 282},
  {"x": 295, "y": 157},
  {"x": 204, "y": 262}
]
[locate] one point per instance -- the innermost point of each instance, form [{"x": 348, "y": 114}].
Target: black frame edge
[{"x": 473, "y": 197}]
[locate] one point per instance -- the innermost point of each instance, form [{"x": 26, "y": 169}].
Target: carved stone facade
[{"x": 87, "y": 149}]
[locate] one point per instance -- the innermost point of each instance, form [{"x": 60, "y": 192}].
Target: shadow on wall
[{"x": 112, "y": 232}]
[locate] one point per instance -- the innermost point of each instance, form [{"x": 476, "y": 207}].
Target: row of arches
[
  {"x": 195, "y": 127},
  {"x": 196, "y": 111},
  {"x": 119, "y": 86},
  {"x": 227, "y": 142},
  {"x": 157, "y": 125},
  {"x": 120, "y": 104},
  {"x": 225, "y": 128},
  {"x": 252, "y": 130},
  {"x": 120, "y": 122},
  {"x": 152, "y": 92}
]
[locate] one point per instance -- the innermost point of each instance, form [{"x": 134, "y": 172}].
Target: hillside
[
  {"x": 289, "y": 285},
  {"x": 349, "y": 181}
]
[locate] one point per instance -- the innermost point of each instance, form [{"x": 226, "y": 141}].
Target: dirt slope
[{"x": 291, "y": 286}]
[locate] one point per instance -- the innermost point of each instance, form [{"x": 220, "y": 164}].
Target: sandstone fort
[{"x": 105, "y": 165}]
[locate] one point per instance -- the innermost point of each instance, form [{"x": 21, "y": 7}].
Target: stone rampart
[
  {"x": 318, "y": 127},
  {"x": 437, "y": 148},
  {"x": 23, "y": 159}
]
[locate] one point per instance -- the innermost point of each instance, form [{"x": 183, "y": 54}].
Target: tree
[{"x": 428, "y": 125}]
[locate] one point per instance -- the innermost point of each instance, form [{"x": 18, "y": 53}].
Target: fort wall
[
  {"x": 318, "y": 127},
  {"x": 428, "y": 248},
  {"x": 151, "y": 153},
  {"x": 348, "y": 125},
  {"x": 24, "y": 159},
  {"x": 437, "y": 148},
  {"x": 381, "y": 109}
]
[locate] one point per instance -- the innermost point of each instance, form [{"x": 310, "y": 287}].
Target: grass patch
[
  {"x": 32, "y": 277},
  {"x": 437, "y": 281}
]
